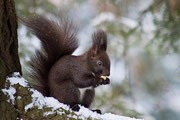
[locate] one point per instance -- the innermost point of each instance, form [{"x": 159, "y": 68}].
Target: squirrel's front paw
[
  {"x": 104, "y": 82},
  {"x": 96, "y": 82}
]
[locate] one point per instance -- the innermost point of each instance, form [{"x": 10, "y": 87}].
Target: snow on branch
[{"x": 32, "y": 104}]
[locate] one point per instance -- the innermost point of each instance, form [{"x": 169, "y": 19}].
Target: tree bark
[{"x": 9, "y": 59}]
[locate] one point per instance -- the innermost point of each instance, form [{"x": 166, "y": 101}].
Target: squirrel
[{"x": 57, "y": 73}]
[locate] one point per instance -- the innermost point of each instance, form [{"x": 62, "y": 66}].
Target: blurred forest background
[{"x": 143, "y": 45}]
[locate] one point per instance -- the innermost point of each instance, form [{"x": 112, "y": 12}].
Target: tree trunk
[{"x": 9, "y": 59}]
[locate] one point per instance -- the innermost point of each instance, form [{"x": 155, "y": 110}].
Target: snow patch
[
  {"x": 85, "y": 113},
  {"x": 28, "y": 106},
  {"x": 48, "y": 113},
  {"x": 16, "y": 79},
  {"x": 13, "y": 80},
  {"x": 11, "y": 91},
  {"x": 109, "y": 116},
  {"x": 40, "y": 101}
]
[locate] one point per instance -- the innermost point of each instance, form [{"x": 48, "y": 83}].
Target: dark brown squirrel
[{"x": 56, "y": 72}]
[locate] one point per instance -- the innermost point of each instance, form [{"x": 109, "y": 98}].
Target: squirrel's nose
[{"x": 108, "y": 73}]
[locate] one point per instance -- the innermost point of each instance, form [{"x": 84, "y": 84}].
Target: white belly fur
[{"x": 82, "y": 91}]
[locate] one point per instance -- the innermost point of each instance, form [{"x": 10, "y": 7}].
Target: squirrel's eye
[{"x": 99, "y": 63}]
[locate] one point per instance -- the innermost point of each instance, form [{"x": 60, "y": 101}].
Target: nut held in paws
[{"x": 103, "y": 77}]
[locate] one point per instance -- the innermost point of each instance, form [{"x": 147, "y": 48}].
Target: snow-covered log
[{"x": 28, "y": 103}]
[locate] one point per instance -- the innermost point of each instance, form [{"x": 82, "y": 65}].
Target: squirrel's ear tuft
[{"x": 99, "y": 41}]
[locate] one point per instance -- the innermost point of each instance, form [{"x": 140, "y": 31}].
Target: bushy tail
[{"x": 57, "y": 39}]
